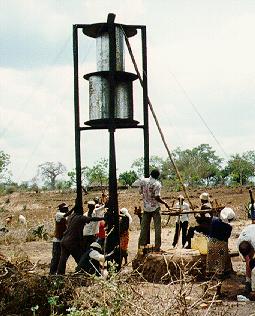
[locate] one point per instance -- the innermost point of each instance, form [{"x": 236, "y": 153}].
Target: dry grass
[{"x": 121, "y": 294}]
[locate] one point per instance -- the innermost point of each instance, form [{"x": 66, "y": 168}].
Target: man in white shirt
[
  {"x": 182, "y": 221},
  {"x": 91, "y": 229},
  {"x": 150, "y": 190},
  {"x": 93, "y": 260}
]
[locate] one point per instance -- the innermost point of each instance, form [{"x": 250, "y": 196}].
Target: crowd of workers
[{"x": 84, "y": 236}]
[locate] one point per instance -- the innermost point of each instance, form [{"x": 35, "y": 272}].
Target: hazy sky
[{"x": 200, "y": 60}]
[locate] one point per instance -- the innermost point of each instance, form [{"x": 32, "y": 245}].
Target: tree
[
  {"x": 84, "y": 177},
  {"x": 128, "y": 177},
  {"x": 198, "y": 166},
  {"x": 240, "y": 168},
  {"x": 98, "y": 174},
  {"x": 4, "y": 163},
  {"x": 49, "y": 171},
  {"x": 155, "y": 162}
]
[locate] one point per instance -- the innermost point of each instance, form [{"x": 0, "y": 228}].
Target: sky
[{"x": 201, "y": 78}]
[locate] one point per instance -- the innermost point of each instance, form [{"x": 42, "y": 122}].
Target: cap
[
  {"x": 91, "y": 202},
  {"x": 124, "y": 211},
  {"x": 227, "y": 214},
  {"x": 62, "y": 205},
  {"x": 180, "y": 197},
  {"x": 96, "y": 245},
  {"x": 204, "y": 196}
]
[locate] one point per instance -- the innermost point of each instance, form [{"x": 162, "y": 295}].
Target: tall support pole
[
  {"x": 113, "y": 238},
  {"x": 79, "y": 208},
  {"x": 145, "y": 104},
  {"x": 113, "y": 224}
]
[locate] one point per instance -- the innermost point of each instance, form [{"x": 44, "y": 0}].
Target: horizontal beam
[
  {"x": 176, "y": 212},
  {"x": 80, "y": 26},
  {"x": 93, "y": 128}
]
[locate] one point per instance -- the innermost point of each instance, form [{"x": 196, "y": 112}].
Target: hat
[
  {"x": 91, "y": 202},
  {"x": 62, "y": 205},
  {"x": 96, "y": 245},
  {"x": 204, "y": 196},
  {"x": 124, "y": 211},
  {"x": 227, "y": 214},
  {"x": 180, "y": 197}
]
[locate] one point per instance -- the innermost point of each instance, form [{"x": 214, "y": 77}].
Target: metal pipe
[
  {"x": 113, "y": 194},
  {"x": 79, "y": 208},
  {"x": 145, "y": 104}
]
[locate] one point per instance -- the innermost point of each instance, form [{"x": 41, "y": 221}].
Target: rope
[
  {"x": 156, "y": 121},
  {"x": 199, "y": 114}
]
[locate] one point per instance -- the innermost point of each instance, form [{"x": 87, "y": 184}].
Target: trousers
[
  {"x": 66, "y": 250},
  {"x": 56, "y": 252},
  {"x": 181, "y": 226},
  {"x": 145, "y": 227}
]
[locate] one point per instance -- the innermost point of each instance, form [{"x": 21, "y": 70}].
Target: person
[
  {"x": 93, "y": 259},
  {"x": 251, "y": 208},
  {"x": 150, "y": 190},
  {"x": 60, "y": 227},
  {"x": 71, "y": 243},
  {"x": 101, "y": 233},
  {"x": 218, "y": 261},
  {"x": 97, "y": 201},
  {"x": 246, "y": 247},
  {"x": 203, "y": 219},
  {"x": 91, "y": 230},
  {"x": 125, "y": 222},
  {"x": 182, "y": 221}
]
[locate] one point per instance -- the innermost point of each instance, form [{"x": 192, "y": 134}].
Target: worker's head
[
  {"x": 246, "y": 249},
  {"x": 124, "y": 212},
  {"x": 91, "y": 206},
  {"x": 63, "y": 207},
  {"x": 204, "y": 197},
  {"x": 227, "y": 215},
  {"x": 96, "y": 200},
  {"x": 95, "y": 245},
  {"x": 180, "y": 198},
  {"x": 155, "y": 173}
]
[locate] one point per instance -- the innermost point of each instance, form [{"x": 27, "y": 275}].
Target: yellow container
[{"x": 199, "y": 242}]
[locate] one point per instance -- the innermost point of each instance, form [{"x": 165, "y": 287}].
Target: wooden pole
[{"x": 157, "y": 123}]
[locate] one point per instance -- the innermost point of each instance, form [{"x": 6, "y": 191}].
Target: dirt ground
[{"x": 40, "y": 208}]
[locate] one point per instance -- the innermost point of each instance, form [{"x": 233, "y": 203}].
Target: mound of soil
[{"x": 176, "y": 264}]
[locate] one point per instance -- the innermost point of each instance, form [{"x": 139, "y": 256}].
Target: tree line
[{"x": 199, "y": 166}]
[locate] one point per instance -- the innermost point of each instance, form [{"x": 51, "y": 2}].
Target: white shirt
[
  {"x": 247, "y": 234},
  {"x": 149, "y": 188},
  {"x": 58, "y": 217},
  {"x": 94, "y": 254},
  {"x": 183, "y": 207},
  {"x": 92, "y": 228}
]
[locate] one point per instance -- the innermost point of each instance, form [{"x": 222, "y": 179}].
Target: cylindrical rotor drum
[
  {"x": 103, "y": 49},
  {"x": 99, "y": 99}
]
